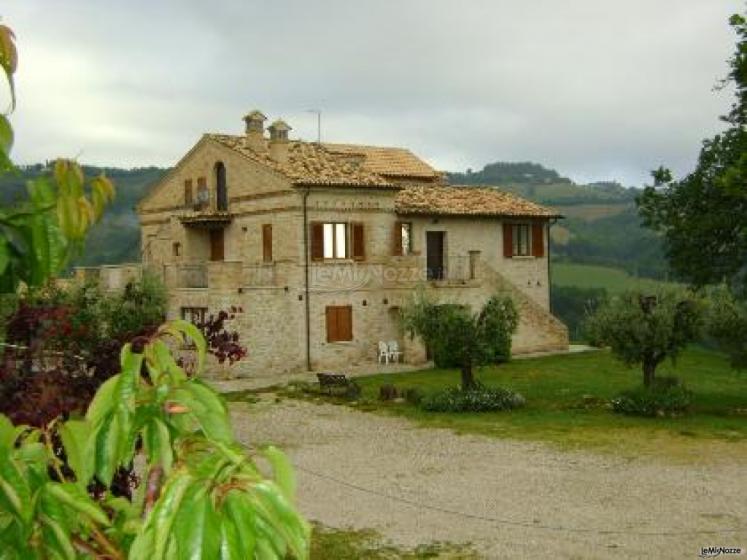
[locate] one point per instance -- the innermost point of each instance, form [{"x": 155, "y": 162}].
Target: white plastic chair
[
  {"x": 383, "y": 352},
  {"x": 394, "y": 352}
]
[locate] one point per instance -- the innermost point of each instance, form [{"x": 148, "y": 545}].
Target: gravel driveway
[{"x": 509, "y": 499}]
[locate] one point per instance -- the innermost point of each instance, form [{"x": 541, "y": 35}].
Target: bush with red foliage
[{"x": 222, "y": 342}]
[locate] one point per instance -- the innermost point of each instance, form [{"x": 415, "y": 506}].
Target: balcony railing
[{"x": 204, "y": 211}]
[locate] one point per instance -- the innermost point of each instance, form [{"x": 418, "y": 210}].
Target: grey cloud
[{"x": 597, "y": 89}]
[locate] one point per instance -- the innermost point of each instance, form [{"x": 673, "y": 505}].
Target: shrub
[
  {"x": 142, "y": 302},
  {"x": 478, "y": 399},
  {"x": 388, "y": 393},
  {"x": 667, "y": 397},
  {"x": 413, "y": 395}
]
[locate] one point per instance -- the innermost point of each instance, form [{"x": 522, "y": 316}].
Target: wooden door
[
  {"x": 216, "y": 245},
  {"x": 434, "y": 241}
]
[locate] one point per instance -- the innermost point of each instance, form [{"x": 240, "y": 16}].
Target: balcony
[{"x": 204, "y": 212}]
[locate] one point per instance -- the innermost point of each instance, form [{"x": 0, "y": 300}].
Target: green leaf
[
  {"x": 161, "y": 517},
  {"x": 6, "y": 135},
  {"x": 197, "y": 527},
  {"x": 15, "y": 492},
  {"x": 283, "y": 470},
  {"x": 282, "y": 519},
  {"x": 157, "y": 443},
  {"x": 77, "y": 438},
  {"x": 108, "y": 449},
  {"x": 77, "y": 499},
  {"x": 57, "y": 538},
  {"x": 230, "y": 544},
  {"x": 209, "y": 415},
  {"x": 103, "y": 402},
  {"x": 143, "y": 546},
  {"x": 240, "y": 513},
  {"x": 7, "y": 433}
]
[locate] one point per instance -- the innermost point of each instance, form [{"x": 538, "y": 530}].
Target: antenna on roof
[{"x": 318, "y": 123}]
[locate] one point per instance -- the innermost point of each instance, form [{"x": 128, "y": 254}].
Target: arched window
[{"x": 220, "y": 187}]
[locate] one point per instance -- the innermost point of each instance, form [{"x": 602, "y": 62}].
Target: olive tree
[
  {"x": 647, "y": 328},
  {"x": 457, "y": 337}
]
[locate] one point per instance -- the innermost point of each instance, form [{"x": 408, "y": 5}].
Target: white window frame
[
  {"x": 522, "y": 240},
  {"x": 335, "y": 242}
]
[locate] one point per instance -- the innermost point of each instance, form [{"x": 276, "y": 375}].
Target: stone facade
[{"x": 181, "y": 242}]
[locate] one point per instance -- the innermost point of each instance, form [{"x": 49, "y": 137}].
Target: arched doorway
[{"x": 220, "y": 187}]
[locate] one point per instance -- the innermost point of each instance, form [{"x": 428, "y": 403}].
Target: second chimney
[
  {"x": 255, "y": 131},
  {"x": 279, "y": 141}
]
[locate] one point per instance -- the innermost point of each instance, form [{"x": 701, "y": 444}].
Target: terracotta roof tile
[
  {"x": 308, "y": 164},
  {"x": 392, "y": 162},
  {"x": 466, "y": 201}
]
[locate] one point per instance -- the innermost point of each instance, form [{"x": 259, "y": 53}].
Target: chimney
[
  {"x": 255, "y": 131},
  {"x": 279, "y": 141}
]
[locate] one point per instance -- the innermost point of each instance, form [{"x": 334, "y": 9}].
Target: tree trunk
[
  {"x": 468, "y": 380},
  {"x": 649, "y": 370}
]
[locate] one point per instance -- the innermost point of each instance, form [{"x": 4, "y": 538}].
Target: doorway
[
  {"x": 216, "y": 245},
  {"x": 434, "y": 241}
]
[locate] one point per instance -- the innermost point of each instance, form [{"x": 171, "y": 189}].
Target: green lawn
[
  {"x": 567, "y": 404},
  {"x": 614, "y": 280}
]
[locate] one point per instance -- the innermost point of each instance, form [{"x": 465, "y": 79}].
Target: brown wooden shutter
[
  {"x": 188, "y": 192},
  {"x": 339, "y": 323},
  {"x": 345, "y": 322},
  {"x": 397, "y": 240},
  {"x": 332, "y": 331},
  {"x": 317, "y": 241},
  {"x": 508, "y": 240},
  {"x": 538, "y": 239},
  {"x": 359, "y": 247},
  {"x": 267, "y": 242}
]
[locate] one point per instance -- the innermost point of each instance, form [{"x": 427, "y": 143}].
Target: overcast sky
[{"x": 598, "y": 89}]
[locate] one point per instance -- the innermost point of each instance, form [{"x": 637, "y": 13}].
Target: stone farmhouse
[{"x": 321, "y": 244}]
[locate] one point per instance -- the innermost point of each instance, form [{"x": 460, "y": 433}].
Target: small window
[
  {"x": 267, "y": 243},
  {"x": 521, "y": 240},
  {"x": 339, "y": 323},
  {"x": 335, "y": 240},
  {"x": 195, "y": 315},
  {"x": 188, "y": 192},
  {"x": 177, "y": 249}
]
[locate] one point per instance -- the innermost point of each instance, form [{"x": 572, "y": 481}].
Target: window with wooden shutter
[
  {"x": 339, "y": 323},
  {"x": 317, "y": 241},
  {"x": 267, "y": 242},
  {"x": 538, "y": 240},
  {"x": 359, "y": 247},
  {"x": 188, "y": 192},
  {"x": 508, "y": 240}
]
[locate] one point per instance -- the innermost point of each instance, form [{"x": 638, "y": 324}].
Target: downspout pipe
[
  {"x": 306, "y": 276},
  {"x": 550, "y": 223}
]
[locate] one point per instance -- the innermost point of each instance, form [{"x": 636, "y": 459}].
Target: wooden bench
[{"x": 330, "y": 381}]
